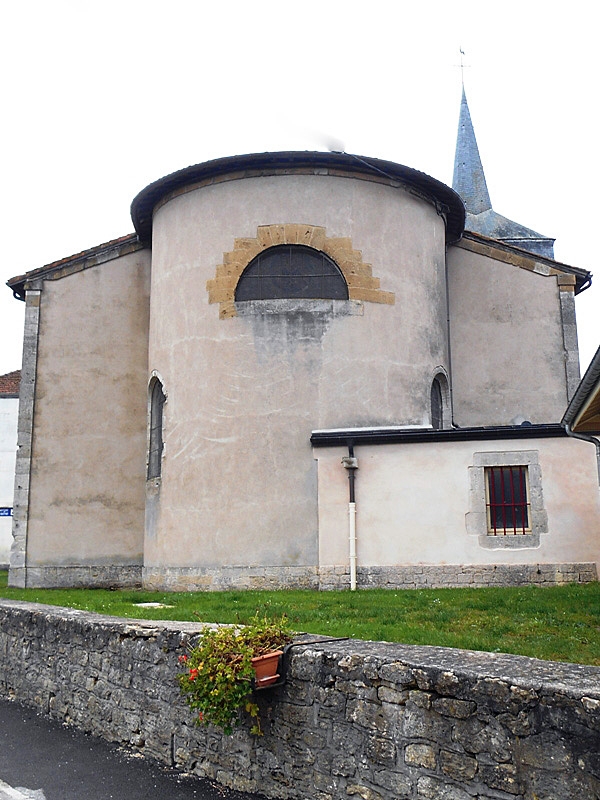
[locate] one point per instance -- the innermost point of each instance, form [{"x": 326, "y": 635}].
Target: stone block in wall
[
  {"x": 421, "y": 755},
  {"x": 421, "y": 723},
  {"x": 458, "y": 766},
  {"x": 451, "y": 707},
  {"x": 430, "y": 788},
  {"x": 545, "y": 750},
  {"x": 503, "y": 777},
  {"x": 393, "y": 784}
]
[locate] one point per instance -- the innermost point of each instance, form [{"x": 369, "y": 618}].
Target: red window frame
[{"x": 507, "y": 500}]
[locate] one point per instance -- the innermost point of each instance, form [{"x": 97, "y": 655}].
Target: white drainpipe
[
  {"x": 352, "y": 538},
  {"x": 351, "y": 464}
]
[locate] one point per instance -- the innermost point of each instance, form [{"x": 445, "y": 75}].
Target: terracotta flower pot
[{"x": 265, "y": 668}]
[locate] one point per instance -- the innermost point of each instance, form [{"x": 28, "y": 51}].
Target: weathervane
[{"x": 462, "y": 66}]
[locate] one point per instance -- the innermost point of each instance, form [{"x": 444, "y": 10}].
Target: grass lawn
[{"x": 560, "y": 623}]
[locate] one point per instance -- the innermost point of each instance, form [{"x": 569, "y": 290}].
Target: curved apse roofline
[{"x": 443, "y": 197}]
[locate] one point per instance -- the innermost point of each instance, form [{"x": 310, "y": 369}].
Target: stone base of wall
[
  {"x": 194, "y": 579},
  {"x": 422, "y": 576},
  {"x": 367, "y": 720},
  {"x": 76, "y": 577},
  {"x": 338, "y": 577}
]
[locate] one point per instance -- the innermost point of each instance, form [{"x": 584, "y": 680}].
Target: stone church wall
[
  {"x": 81, "y": 469},
  {"x": 354, "y": 719},
  {"x": 513, "y": 353},
  {"x": 246, "y": 383}
]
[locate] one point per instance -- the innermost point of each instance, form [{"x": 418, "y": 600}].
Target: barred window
[
  {"x": 157, "y": 401},
  {"x": 291, "y": 272},
  {"x": 507, "y": 500}
]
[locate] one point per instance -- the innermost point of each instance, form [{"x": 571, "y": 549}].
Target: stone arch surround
[{"x": 359, "y": 275}]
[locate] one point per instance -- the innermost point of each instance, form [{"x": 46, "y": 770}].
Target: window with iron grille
[
  {"x": 291, "y": 272},
  {"x": 157, "y": 401},
  {"x": 507, "y": 500}
]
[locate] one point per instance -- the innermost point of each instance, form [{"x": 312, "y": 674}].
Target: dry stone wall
[{"x": 354, "y": 719}]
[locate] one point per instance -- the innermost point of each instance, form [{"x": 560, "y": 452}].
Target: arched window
[
  {"x": 437, "y": 411},
  {"x": 157, "y": 401},
  {"x": 291, "y": 272},
  {"x": 439, "y": 402}
]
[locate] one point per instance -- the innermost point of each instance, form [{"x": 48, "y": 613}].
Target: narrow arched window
[
  {"x": 437, "y": 405},
  {"x": 157, "y": 401},
  {"x": 291, "y": 272}
]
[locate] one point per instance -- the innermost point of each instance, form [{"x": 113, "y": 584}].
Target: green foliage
[
  {"x": 216, "y": 682},
  {"x": 560, "y": 623}
]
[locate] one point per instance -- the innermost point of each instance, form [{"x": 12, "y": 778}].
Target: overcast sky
[{"x": 100, "y": 99}]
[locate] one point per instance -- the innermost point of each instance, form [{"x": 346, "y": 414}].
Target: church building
[{"x": 305, "y": 369}]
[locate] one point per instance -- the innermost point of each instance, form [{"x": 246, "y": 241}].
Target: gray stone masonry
[
  {"x": 420, "y": 576},
  {"x": 354, "y": 719},
  {"x": 413, "y": 576}
]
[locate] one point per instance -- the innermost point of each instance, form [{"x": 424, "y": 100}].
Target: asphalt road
[{"x": 43, "y": 760}]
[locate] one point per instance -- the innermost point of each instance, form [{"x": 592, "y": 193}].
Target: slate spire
[
  {"x": 469, "y": 182},
  {"x": 469, "y": 178}
]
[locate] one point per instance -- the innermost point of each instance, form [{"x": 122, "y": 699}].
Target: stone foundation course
[{"x": 354, "y": 719}]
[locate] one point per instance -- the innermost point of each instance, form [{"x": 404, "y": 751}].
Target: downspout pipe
[
  {"x": 586, "y": 438},
  {"x": 351, "y": 464}
]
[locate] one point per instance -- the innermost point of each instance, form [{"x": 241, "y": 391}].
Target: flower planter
[
  {"x": 265, "y": 668},
  {"x": 220, "y": 672}
]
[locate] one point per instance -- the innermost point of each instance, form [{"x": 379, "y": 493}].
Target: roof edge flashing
[{"x": 340, "y": 437}]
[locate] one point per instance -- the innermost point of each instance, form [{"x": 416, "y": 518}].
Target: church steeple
[
  {"x": 469, "y": 182},
  {"x": 469, "y": 178}
]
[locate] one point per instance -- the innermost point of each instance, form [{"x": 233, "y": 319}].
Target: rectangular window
[{"x": 507, "y": 501}]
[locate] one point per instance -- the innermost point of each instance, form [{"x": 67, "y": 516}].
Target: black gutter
[{"x": 359, "y": 436}]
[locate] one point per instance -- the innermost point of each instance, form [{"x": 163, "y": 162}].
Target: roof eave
[
  {"x": 391, "y": 435},
  {"x": 588, "y": 388},
  {"x": 442, "y": 196},
  {"x": 86, "y": 258},
  {"x": 583, "y": 278}
]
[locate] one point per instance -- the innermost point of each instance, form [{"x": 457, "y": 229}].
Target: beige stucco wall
[
  {"x": 412, "y": 501},
  {"x": 86, "y": 504},
  {"x": 508, "y": 356},
  {"x": 239, "y": 480},
  {"x": 9, "y": 409}
]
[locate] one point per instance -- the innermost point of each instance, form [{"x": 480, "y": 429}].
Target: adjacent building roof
[
  {"x": 79, "y": 261},
  {"x": 583, "y": 413},
  {"x": 469, "y": 181},
  {"x": 525, "y": 259},
  {"x": 9, "y": 384}
]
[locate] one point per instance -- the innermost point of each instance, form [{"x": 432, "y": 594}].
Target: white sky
[{"x": 100, "y": 99}]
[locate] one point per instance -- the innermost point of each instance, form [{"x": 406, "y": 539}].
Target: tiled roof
[
  {"x": 9, "y": 383},
  {"x": 83, "y": 260}
]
